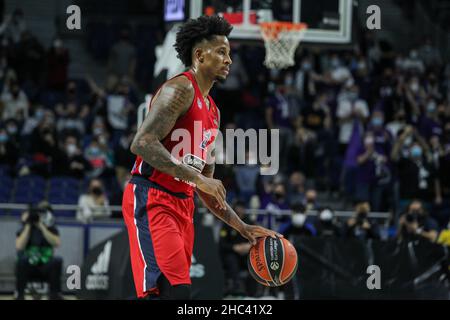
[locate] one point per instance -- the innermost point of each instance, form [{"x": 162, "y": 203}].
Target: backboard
[{"x": 329, "y": 21}]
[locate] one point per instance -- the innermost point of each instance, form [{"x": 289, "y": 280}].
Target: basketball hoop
[{"x": 281, "y": 39}]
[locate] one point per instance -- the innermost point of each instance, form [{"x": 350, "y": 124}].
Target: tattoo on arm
[
  {"x": 228, "y": 216},
  {"x": 172, "y": 102}
]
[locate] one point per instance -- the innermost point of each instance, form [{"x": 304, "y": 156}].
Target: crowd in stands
[{"x": 367, "y": 125}]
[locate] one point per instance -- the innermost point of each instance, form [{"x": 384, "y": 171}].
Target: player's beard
[{"x": 221, "y": 79}]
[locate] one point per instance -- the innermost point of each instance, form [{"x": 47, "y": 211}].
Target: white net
[{"x": 281, "y": 40}]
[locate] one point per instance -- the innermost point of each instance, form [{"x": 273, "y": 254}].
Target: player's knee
[{"x": 181, "y": 292}]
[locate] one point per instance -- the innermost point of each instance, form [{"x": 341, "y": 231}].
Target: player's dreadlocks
[{"x": 196, "y": 30}]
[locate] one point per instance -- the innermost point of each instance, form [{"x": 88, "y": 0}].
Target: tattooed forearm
[
  {"x": 172, "y": 101},
  {"x": 228, "y": 216}
]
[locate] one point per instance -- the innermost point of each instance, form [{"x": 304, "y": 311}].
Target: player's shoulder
[{"x": 181, "y": 84}]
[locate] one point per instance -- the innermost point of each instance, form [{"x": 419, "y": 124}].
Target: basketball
[{"x": 272, "y": 262}]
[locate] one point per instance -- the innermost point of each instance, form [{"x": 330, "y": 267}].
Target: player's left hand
[{"x": 252, "y": 232}]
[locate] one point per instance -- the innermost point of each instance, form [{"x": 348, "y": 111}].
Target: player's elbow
[
  {"x": 140, "y": 143},
  {"x": 136, "y": 146}
]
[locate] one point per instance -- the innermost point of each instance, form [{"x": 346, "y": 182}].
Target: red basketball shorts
[{"x": 161, "y": 234}]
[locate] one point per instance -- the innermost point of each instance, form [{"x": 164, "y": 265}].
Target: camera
[
  {"x": 361, "y": 217},
  {"x": 33, "y": 216},
  {"x": 412, "y": 217}
]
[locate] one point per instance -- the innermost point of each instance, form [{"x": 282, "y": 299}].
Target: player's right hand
[{"x": 214, "y": 188}]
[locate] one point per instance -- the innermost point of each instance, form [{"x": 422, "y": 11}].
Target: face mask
[
  {"x": 352, "y": 96},
  {"x": 12, "y": 130},
  {"x": 431, "y": 107},
  {"x": 414, "y": 87},
  {"x": 289, "y": 80},
  {"x": 368, "y": 141},
  {"x": 326, "y": 215},
  {"x": 95, "y": 150},
  {"x": 71, "y": 149},
  {"x": 361, "y": 66},
  {"x": 39, "y": 114},
  {"x": 416, "y": 152},
  {"x": 362, "y": 215},
  {"x": 102, "y": 140},
  {"x": 298, "y": 219},
  {"x": 98, "y": 131},
  {"x": 335, "y": 63},
  {"x": 97, "y": 191},
  {"x": 279, "y": 196},
  {"x": 408, "y": 141},
  {"x": 3, "y": 138},
  {"x": 377, "y": 122},
  {"x": 306, "y": 66}
]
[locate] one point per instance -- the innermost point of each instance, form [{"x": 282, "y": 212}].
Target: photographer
[
  {"x": 327, "y": 225},
  {"x": 359, "y": 225},
  {"x": 417, "y": 224},
  {"x": 35, "y": 243}
]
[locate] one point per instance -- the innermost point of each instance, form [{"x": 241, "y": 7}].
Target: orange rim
[{"x": 272, "y": 29}]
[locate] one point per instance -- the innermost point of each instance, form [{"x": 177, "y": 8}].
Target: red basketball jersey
[{"x": 187, "y": 142}]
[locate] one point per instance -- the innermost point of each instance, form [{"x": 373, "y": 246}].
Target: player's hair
[{"x": 196, "y": 30}]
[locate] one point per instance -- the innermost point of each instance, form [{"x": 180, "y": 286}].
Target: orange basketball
[{"x": 272, "y": 262}]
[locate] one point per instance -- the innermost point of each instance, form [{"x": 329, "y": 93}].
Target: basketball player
[{"x": 158, "y": 201}]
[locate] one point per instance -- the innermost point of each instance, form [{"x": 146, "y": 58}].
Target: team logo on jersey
[
  {"x": 206, "y": 137},
  {"x": 199, "y": 103}
]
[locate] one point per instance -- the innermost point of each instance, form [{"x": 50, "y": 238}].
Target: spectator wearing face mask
[
  {"x": 350, "y": 109},
  {"x": 296, "y": 188},
  {"x": 44, "y": 145},
  {"x": 326, "y": 224},
  {"x": 416, "y": 173},
  {"x": 119, "y": 109},
  {"x": 373, "y": 174},
  {"x": 94, "y": 204},
  {"x": 71, "y": 161},
  {"x": 415, "y": 224},
  {"x": 413, "y": 63},
  {"x": 311, "y": 200},
  {"x": 415, "y": 96},
  {"x": 70, "y": 123},
  {"x": 359, "y": 226},
  {"x": 300, "y": 225},
  {"x": 304, "y": 84},
  {"x": 99, "y": 156},
  {"x": 429, "y": 123},
  {"x": 15, "y": 102},
  {"x": 398, "y": 123},
  {"x": 381, "y": 136},
  {"x": 275, "y": 202},
  {"x": 13, "y": 130}
]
